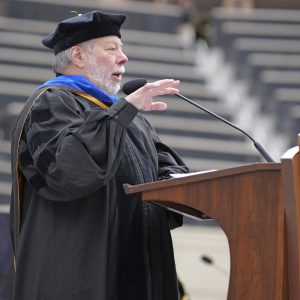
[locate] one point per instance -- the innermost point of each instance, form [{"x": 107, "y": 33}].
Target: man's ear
[{"x": 78, "y": 56}]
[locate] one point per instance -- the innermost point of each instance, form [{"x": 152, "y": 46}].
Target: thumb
[{"x": 158, "y": 106}]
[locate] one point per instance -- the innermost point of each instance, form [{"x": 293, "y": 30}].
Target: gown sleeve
[
  {"x": 68, "y": 150},
  {"x": 168, "y": 162}
]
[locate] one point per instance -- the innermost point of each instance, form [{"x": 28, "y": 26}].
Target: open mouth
[{"x": 117, "y": 75}]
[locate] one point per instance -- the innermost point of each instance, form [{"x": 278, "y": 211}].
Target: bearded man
[{"x": 76, "y": 235}]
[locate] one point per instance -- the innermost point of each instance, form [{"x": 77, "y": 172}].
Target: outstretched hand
[{"x": 142, "y": 98}]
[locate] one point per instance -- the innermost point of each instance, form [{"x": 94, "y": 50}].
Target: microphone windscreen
[{"x": 133, "y": 85}]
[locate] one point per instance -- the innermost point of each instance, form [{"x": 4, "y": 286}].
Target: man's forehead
[{"x": 109, "y": 39}]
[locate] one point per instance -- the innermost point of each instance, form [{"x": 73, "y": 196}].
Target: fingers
[
  {"x": 161, "y": 87},
  {"x": 143, "y": 97}
]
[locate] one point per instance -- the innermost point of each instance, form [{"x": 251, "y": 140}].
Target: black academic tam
[{"x": 82, "y": 28}]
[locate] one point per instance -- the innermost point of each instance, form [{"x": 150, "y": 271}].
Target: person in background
[
  {"x": 232, "y": 4},
  {"x": 76, "y": 234}
]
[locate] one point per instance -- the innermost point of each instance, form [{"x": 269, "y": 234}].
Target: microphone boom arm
[{"x": 257, "y": 145}]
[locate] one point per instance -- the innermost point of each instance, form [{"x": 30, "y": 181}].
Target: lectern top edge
[{"x": 134, "y": 189}]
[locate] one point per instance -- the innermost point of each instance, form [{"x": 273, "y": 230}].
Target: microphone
[
  {"x": 133, "y": 85},
  {"x": 209, "y": 261}
]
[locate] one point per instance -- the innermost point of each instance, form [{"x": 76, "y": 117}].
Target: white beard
[{"x": 101, "y": 77}]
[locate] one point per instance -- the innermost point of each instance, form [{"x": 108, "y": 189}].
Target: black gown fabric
[{"x": 81, "y": 237}]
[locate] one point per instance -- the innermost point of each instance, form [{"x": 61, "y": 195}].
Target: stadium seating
[{"x": 263, "y": 46}]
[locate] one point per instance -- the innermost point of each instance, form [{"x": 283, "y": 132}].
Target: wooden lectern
[
  {"x": 248, "y": 204},
  {"x": 290, "y": 164}
]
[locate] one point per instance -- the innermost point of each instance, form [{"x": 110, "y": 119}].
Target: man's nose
[{"x": 122, "y": 59}]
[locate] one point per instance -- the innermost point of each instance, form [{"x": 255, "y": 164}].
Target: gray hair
[{"x": 63, "y": 59}]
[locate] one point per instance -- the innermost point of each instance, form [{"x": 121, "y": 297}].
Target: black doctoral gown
[{"x": 77, "y": 236}]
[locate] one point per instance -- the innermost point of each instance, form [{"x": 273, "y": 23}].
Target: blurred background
[{"x": 238, "y": 58}]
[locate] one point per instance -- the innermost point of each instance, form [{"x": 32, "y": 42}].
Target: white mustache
[{"x": 120, "y": 71}]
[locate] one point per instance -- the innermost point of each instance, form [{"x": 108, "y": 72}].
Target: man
[{"x": 76, "y": 235}]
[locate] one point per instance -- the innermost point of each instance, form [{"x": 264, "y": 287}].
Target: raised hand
[{"x": 142, "y": 98}]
